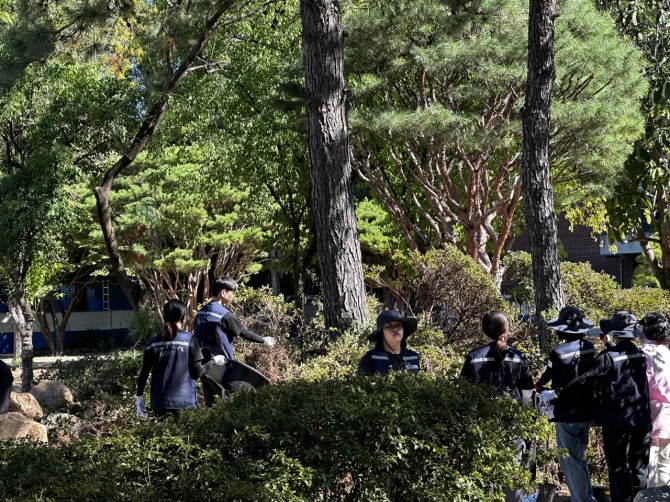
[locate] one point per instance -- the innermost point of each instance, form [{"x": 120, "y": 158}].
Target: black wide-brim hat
[
  {"x": 623, "y": 324},
  {"x": 570, "y": 320},
  {"x": 408, "y": 323}
]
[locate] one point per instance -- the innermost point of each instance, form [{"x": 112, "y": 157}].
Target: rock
[
  {"x": 52, "y": 394},
  {"x": 64, "y": 426},
  {"x": 26, "y": 404},
  {"x": 14, "y": 425},
  {"x": 660, "y": 494}
]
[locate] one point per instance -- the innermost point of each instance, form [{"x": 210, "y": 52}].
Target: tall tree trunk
[
  {"x": 335, "y": 220},
  {"x": 24, "y": 319},
  {"x": 538, "y": 192}
]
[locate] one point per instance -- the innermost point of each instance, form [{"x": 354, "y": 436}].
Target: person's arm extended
[
  {"x": 196, "y": 367},
  {"x": 548, "y": 374},
  {"x": 601, "y": 366},
  {"x": 234, "y": 327}
]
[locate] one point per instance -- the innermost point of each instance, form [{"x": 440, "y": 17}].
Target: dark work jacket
[
  {"x": 566, "y": 362},
  {"x": 207, "y": 329},
  {"x": 512, "y": 377},
  {"x": 172, "y": 385},
  {"x": 624, "y": 400},
  {"x": 378, "y": 361},
  {"x": 216, "y": 327}
]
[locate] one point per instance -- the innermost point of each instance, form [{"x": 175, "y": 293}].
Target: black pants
[
  {"x": 627, "y": 456},
  {"x": 6, "y": 380}
]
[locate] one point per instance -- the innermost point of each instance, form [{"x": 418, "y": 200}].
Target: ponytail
[
  {"x": 173, "y": 312},
  {"x": 496, "y": 326}
]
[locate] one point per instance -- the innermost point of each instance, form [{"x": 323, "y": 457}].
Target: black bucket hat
[
  {"x": 408, "y": 323},
  {"x": 570, "y": 320},
  {"x": 622, "y": 324}
]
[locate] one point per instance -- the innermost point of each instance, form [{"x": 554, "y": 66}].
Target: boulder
[
  {"x": 52, "y": 394},
  {"x": 26, "y": 404},
  {"x": 14, "y": 425},
  {"x": 64, "y": 426}
]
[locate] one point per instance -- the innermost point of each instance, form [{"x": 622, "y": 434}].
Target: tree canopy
[{"x": 437, "y": 88}]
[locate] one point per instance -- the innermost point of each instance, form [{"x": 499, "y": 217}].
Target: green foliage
[
  {"x": 102, "y": 385},
  {"x": 639, "y": 205},
  {"x": 596, "y": 294},
  {"x": 643, "y": 275},
  {"x": 144, "y": 325},
  {"x": 437, "y": 88},
  {"x": 178, "y": 220},
  {"x": 451, "y": 291},
  {"x": 378, "y": 439}
]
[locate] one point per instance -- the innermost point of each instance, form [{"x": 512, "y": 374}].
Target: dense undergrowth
[{"x": 319, "y": 432}]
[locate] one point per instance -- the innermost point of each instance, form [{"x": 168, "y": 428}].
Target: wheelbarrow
[{"x": 234, "y": 375}]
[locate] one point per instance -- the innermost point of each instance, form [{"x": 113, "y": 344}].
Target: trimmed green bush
[
  {"x": 596, "y": 294},
  {"x": 376, "y": 439},
  {"x": 452, "y": 292}
]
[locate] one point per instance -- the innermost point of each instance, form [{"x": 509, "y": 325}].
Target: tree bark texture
[
  {"x": 332, "y": 195},
  {"x": 24, "y": 318},
  {"x": 536, "y": 174}
]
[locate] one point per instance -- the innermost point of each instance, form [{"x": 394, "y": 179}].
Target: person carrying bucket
[
  {"x": 574, "y": 411},
  {"x": 216, "y": 328}
]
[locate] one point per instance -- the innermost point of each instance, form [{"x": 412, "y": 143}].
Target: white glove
[
  {"x": 547, "y": 395},
  {"x": 139, "y": 407},
  {"x": 269, "y": 341},
  {"x": 219, "y": 360}
]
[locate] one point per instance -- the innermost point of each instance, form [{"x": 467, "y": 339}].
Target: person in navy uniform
[
  {"x": 504, "y": 368},
  {"x": 623, "y": 410},
  {"x": 216, "y": 328},
  {"x": 6, "y": 380},
  {"x": 174, "y": 360},
  {"x": 574, "y": 411},
  {"x": 390, "y": 352}
]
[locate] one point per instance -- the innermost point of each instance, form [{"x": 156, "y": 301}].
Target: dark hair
[
  {"x": 570, "y": 337},
  {"x": 223, "y": 283},
  {"x": 495, "y": 325},
  {"x": 173, "y": 312},
  {"x": 655, "y": 327}
]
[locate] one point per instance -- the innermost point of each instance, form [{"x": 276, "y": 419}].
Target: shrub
[
  {"x": 103, "y": 385},
  {"x": 452, "y": 292},
  {"x": 596, "y": 294},
  {"x": 398, "y": 438}
]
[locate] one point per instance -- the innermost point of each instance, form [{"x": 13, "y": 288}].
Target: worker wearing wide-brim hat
[
  {"x": 623, "y": 410},
  {"x": 574, "y": 410},
  {"x": 390, "y": 352}
]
